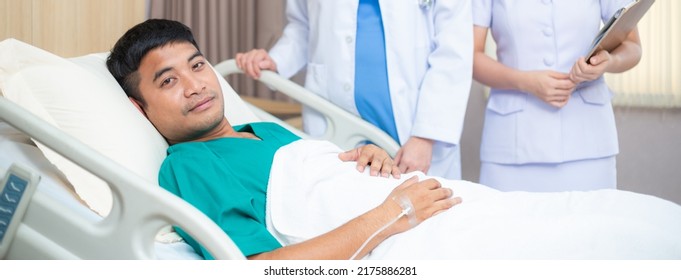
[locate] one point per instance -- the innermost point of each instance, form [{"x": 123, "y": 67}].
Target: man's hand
[
  {"x": 428, "y": 198},
  {"x": 373, "y": 156},
  {"x": 253, "y": 61},
  {"x": 416, "y": 154},
  {"x": 583, "y": 72}
]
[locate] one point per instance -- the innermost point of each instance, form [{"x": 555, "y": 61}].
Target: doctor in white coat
[{"x": 423, "y": 59}]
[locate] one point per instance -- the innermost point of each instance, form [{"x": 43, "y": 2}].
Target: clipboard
[{"x": 615, "y": 31}]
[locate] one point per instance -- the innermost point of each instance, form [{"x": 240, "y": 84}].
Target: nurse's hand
[
  {"x": 253, "y": 61},
  {"x": 551, "y": 87},
  {"x": 378, "y": 160},
  {"x": 415, "y": 154},
  {"x": 583, "y": 72}
]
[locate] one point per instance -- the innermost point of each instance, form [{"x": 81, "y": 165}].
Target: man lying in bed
[
  {"x": 224, "y": 170},
  {"x": 328, "y": 210}
]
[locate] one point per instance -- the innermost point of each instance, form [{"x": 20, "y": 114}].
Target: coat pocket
[
  {"x": 506, "y": 102},
  {"x": 596, "y": 93}
]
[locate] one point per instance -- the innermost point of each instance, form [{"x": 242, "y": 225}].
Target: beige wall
[{"x": 69, "y": 27}]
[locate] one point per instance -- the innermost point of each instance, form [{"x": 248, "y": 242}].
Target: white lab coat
[{"x": 429, "y": 57}]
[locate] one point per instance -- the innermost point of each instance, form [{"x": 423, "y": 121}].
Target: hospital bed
[
  {"x": 53, "y": 222},
  {"x": 55, "y": 112}
]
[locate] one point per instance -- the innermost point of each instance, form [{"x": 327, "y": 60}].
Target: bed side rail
[
  {"x": 343, "y": 128},
  {"x": 140, "y": 208}
]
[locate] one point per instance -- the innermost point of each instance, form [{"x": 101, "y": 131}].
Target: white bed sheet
[{"x": 489, "y": 224}]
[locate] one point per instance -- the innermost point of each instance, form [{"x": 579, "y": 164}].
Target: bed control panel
[{"x": 16, "y": 190}]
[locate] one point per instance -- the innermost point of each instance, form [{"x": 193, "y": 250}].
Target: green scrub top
[{"x": 226, "y": 179}]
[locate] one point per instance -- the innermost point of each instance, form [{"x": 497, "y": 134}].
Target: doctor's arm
[
  {"x": 415, "y": 154},
  {"x": 445, "y": 87},
  {"x": 427, "y": 197},
  {"x": 550, "y": 86},
  {"x": 621, "y": 59}
]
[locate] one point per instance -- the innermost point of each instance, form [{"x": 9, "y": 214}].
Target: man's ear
[{"x": 137, "y": 105}]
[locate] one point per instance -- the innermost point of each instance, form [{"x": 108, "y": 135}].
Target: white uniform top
[
  {"x": 538, "y": 35},
  {"x": 428, "y": 53}
]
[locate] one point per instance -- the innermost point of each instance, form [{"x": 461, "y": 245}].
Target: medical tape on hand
[{"x": 407, "y": 209}]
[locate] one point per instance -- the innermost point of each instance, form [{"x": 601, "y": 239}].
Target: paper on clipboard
[{"x": 618, "y": 27}]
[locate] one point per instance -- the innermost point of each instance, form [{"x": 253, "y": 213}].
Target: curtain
[
  {"x": 224, "y": 27},
  {"x": 656, "y": 80}
]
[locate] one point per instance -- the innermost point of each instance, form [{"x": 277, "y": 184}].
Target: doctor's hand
[
  {"x": 415, "y": 154},
  {"x": 583, "y": 72},
  {"x": 253, "y": 61},
  {"x": 551, "y": 87},
  {"x": 378, "y": 160},
  {"x": 427, "y": 198}
]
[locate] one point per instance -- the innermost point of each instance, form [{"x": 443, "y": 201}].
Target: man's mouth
[{"x": 202, "y": 104}]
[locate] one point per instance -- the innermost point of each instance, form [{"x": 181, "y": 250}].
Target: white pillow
[{"x": 80, "y": 97}]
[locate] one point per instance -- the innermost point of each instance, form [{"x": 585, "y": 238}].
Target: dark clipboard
[{"x": 615, "y": 31}]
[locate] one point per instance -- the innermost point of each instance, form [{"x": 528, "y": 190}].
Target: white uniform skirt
[{"x": 580, "y": 175}]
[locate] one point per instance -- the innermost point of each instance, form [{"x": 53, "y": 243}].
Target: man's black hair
[{"x": 127, "y": 53}]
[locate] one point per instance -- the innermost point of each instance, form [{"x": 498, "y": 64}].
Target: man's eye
[
  {"x": 166, "y": 81},
  {"x": 199, "y": 64}
]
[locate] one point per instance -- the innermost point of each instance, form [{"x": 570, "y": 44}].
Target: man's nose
[{"x": 194, "y": 86}]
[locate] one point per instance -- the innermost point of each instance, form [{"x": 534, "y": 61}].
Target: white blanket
[{"x": 311, "y": 192}]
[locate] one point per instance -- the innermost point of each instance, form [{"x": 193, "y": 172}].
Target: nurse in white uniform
[
  {"x": 549, "y": 124},
  {"x": 405, "y": 66}
]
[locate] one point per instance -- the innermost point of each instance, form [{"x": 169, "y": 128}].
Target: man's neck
[{"x": 223, "y": 130}]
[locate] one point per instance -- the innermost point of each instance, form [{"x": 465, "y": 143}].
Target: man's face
[{"x": 182, "y": 94}]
